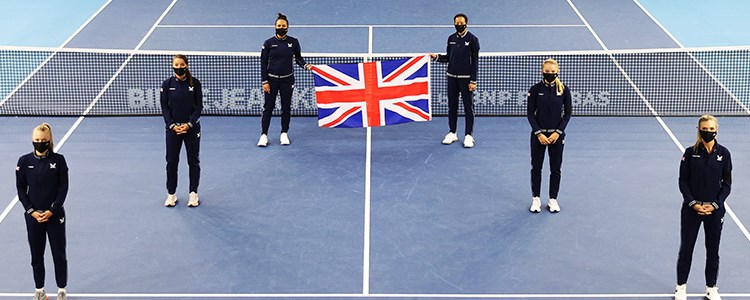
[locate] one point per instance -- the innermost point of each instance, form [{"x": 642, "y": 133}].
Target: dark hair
[
  {"x": 187, "y": 70},
  {"x": 281, "y": 17},
  {"x": 461, "y": 15}
]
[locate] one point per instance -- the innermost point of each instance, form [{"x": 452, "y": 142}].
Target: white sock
[
  {"x": 61, "y": 289},
  {"x": 40, "y": 290}
]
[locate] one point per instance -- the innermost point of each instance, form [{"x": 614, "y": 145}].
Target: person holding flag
[
  {"x": 277, "y": 75},
  {"x": 462, "y": 57}
]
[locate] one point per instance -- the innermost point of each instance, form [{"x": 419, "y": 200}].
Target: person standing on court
[
  {"x": 705, "y": 183},
  {"x": 462, "y": 56},
  {"x": 548, "y": 109},
  {"x": 42, "y": 185},
  {"x": 181, "y": 105},
  {"x": 277, "y": 75}
]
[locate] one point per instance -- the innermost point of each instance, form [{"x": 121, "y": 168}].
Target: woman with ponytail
[
  {"x": 549, "y": 108},
  {"x": 181, "y": 105},
  {"x": 277, "y": 75},
  {"x": 42, "y": 185},
  {"x": 705, "y": 182}
]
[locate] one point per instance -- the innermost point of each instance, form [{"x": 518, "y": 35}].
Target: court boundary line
[
  {"x": 729, "y": 210},
  {"x": 374, "y": 25},
  {"x": 700, "y": 64},
  {"x": 354, "y": 295},
  {"x": 368, "y": 198},
  {"x": 54, "y": 52}
]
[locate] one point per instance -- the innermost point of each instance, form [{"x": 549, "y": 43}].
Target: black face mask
[
  {"x": 281, "y": 31},
  {"x": 180, "y": 71},
  {"x": 707, "y": 136},
  {"x": 549, "y": 77},
  {"x": 460, "y": 28},
  {"x": 41, "y": 147}
]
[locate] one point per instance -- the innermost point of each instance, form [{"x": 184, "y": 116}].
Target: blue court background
[{"x": 444, "y": 219}]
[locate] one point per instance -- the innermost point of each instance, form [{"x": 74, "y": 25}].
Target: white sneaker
[
  {"x": 712, "y": 293},
  {"x": 553, "y": 206},
  {"x": 680, "y": 292},
  {"x": 450, "y": 138},
  {"x": 468, "y": 141},
  {"x": 536, "y": 205},
  {"x": 62, "y": 294},
  {"x": 284, "y": 139},
  {"x": 40, "y": 295},
  {"x": 263, "y": 141},
  {"x": 171, "y": 200},
  {"x": 194, "y": 200}
]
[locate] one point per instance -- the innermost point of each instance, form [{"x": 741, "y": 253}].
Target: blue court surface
[{"x": 370, "y": 214}]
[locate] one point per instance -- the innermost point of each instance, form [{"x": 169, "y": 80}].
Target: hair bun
[{"x": 282, "y": 16}]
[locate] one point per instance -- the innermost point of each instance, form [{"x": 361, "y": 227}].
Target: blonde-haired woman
[
  {"x": 42, "y": 185},
  {"x": 549, "y": 108},
  {"x": 705, "y": 183}
]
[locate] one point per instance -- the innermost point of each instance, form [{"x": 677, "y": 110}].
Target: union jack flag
[{"x": 373, "y": 93}]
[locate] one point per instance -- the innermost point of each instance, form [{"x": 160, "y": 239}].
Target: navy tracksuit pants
[
  {"x": 38, "y": 233},
  {"x": 285, "y": 87},
  {"x": 460, "y": 86},
  {"x": 191, "y": 139},
  {"x": 690, "y": 224},
  {"x": 555, "y": 163}
]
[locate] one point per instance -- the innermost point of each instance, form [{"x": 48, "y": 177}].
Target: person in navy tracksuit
[
  {"x": 42, "y": 186},
  {"x": 705, "y": 183},
  {"x": 462, "y": 57},
  {"x": 181, "y": 105},
  {"x": 549, "y": 108},
  {"x": 277, "y": 75}
]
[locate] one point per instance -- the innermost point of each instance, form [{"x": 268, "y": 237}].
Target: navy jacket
[
  {"x": 276, "y": 57},
  {"x": 462, "y": 56},
  {"x": 42, "y": 183},
  {"x": 546, "y": 110},
  {"x": 181, "y": 103},
  {"x": 706, "y": 177}
]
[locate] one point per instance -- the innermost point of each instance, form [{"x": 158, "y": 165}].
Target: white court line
[
  {"x": 368, "y": 180},
  {"x": 96, "y": 99},
  {"x": 376, "y": 26},
  {"x": 726, "y": 205},
  {"x": 426, "y": 296},
  {"x": 65, "y": 43},
  {"x": 700, "y": 64}
]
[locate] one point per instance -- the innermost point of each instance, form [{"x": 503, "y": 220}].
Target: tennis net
[{"x": 667, "y": 82}]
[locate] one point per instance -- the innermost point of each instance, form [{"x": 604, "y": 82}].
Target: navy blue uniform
[
  {"x": 276, "y": 69},
  {"x": 705, "y": 178},
  {"x": 463, "y": 59},
  {"x": 548, "y": 112},
  {"x": 42, "y": 184},
  {"x": 182, "y": 104}
]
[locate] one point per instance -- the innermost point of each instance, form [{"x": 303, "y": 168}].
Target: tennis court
[{"x": 387, "y": 212}]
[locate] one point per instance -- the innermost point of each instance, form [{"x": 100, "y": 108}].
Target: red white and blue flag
[{"x": 373, "y": 93}]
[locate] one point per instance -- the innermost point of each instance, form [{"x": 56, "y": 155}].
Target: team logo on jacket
[
  {"x": 719, "y": 157},
  {"x": 190, "y": 88},
  {"x": 289, "y": 44},
  {"x": 53, "y": 165},
  {"x": 466, "y": 43},
  {"x": 62, "y": 220},
  {"x": 18, "y": 168}
]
